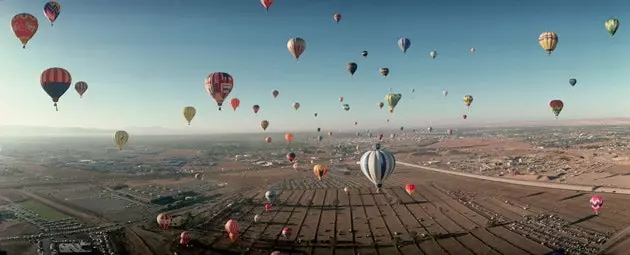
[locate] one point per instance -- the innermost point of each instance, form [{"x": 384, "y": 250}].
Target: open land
[{"x": 75, "y": 191}]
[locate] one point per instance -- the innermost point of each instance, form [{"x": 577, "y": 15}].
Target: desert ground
[{"x": 445, "y": 215}]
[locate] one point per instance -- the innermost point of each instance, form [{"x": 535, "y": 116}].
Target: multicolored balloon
[
  {"x": 410, "y": 188},
  {"x": 219, "y": 85},
  {"x": 185, "y": 237},
  {"x": 275, "y": 93},
  {"x": 296, "y": 47},
  {"x": 337, "y": 17},
  {"x": 384, "y": 71},
  {"x": 271, "y": 196},
  {"x": 52, "y": 10},
  {"x": 24, "y": 27},
  {"x": 392, "y": 101},
  {"x": 256, "y": 108},
  {"x": 556, "y": 107},
  {"x": 404, "y": 43},
  {"x": 320, "y": 171},
  {"x": 548, "y": 41},
  {"x": 468, "y": 99},
  {"x": 55, "y": 81},
  {"x": 596, "y": 203},
  {"x": 81, "y": 87},
  {"x": 164, "y": 221},
  {"x": 611, "y": 25}
]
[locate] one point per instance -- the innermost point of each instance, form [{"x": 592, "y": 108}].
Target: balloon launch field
[{"x": 445, "y": 215}]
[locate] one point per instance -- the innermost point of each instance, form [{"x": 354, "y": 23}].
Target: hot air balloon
[
  {"x": 352, "y": 67},
  {"x": 120, "y": 138},
  {"x": 271, "y": 196},
  {"x": 468, "y": 99},
  {"x": 296, "y": 106},
  {"x": 364, "y": 53},
  {"x": 291, "y": 156},
  {"x": 392, "y": 101},
  {"x": 256, "y": 218},
  {"x": 346, "y": 107},
  {"x": 384, "y": 71},
  {"x": 319, "y": 129},
  {"x": 445, "y": 92},
  {"x": 410, "y": 188},
  {"x": 295, "y": 166},
  {"x": 289, "y": 137},
  {"x": 189, "y": 113},
  {"x": 286, "y": 232},
  {"x": 231, "y": 226},
  {"x": 278, "y": 253},
  {"x": 268, "y": 139},
  {"x": 548, "y": 41},
  {"x": 235, "y": 102},
  {"x": 355, "y": 123},
  {"x": 430, "y": 129},
  {"x": 392, "y": 136},
  {"x": 449, "y": 131},
  {"x": 330, "y": 133},
  {"x": 346, "y": 190},
  {"x": 52, "y": 10},
  {"x": 433, "y": 54},
  {"x": 320, "y": 171},
  {"x": 380, "y": 137},
  {"x": 81, "y": 87},
  {"x": 337, "y": 17},
  {"x": 401, "y": 128},
  {"x": 24, "y": 27},
  {"x": 377, "y": 165},
  {"x": 556, "y": 107},
  {"x": 472, "y": 50},
  {"x": 404, "y": 44},
  {"x": 267, "y": 207},
  {"x": 296, "y": 47},
  {"x": 219, "y": 85},
  {"x": 340, "y": 99},
  {"x": 275, "y": 93},
  {"x": 266, "y": 4},
  {"x": 464, "y": 116},
  {"x": 264, "y": 124},
  {"x": 256, "y": 108},
  {"x": 315, "y": 115},
  {"x": 572, "y": 82},
  {"x": 611, "y": 26},
  {"x": 184, "y": 238},
  {"x": 320, "y": 138},
  {"x": 596, "y": 203},
  {"x": 55, "y": 81},
  {"x": 380, "y": 105},
  {"x": 164, "y": 221}
]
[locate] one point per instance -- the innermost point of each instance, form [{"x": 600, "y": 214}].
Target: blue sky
[{"x": 145, "y": 60}]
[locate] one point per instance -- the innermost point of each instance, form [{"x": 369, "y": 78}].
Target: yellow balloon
[
  {"x": 120, "y": 138},
  {"x": 189, "y": 113}
]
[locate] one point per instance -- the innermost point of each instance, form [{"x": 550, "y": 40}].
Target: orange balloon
[
  {"x": 235, "y": 102},
  {"x": 289, "y": 137}
]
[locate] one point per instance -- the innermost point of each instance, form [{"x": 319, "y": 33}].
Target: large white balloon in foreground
[{"x": 377, "y": 165}]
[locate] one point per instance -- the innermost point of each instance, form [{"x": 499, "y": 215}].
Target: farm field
[{"x": 44, "y": 211}]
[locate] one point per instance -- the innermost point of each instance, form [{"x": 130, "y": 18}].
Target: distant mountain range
[{"x": 155, "y": 130}]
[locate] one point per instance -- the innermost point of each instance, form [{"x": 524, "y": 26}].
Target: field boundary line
[{"x": 576, "y": 187}]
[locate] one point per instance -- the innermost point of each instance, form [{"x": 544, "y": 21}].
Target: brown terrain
[{"x": 445, "y": 215}]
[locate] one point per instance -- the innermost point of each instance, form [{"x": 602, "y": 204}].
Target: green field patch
[{"x": 44, "y": 211}]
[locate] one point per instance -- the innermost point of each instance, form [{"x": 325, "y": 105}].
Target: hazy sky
[{"x": 145, "y": 60}]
